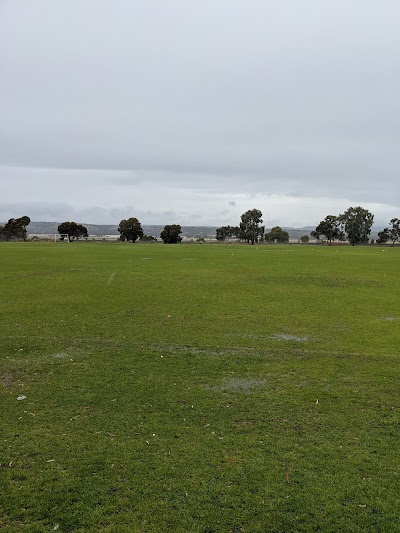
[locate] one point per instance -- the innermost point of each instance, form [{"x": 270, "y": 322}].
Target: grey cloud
[{"x": 195, "y": 100}]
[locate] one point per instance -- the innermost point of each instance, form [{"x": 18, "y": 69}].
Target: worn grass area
[{"x": 199, "y": 388}]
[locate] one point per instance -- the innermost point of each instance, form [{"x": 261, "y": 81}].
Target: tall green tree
[
  {"x": 277, "y": 234},
  {"x": 130, "y": 229},
  {"x": 250, "y": 229},
  {"x": 357, "y": 223},
  {"x": 171, "y": 234},
  {"x": 15, "y": 228},
  {"x": 390, "y": 234},
  {"x": 330, "y": 227},
  {"x": 73, "y": 230}
]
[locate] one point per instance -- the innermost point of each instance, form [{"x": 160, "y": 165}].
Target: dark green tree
[
  {"x": 394, "y": 231},
  {"x": 226, "y": 232},
  {"x": 357, "y": 223},
  {"x": 277, "y": 234},
  {"x": 81, "y": 231},
  {"x": 15, "y": 228},
  {"x": 330, "y": 227},
  {"x": 171, "y": 234},
  {"x": 383, "y": 236},
  {"x": 250, "y": 229},
  {"x": 222, "y": 233},
  {"x": 304, "y": 239},
  {"x": 73, "y": 230},
  {"x": 148, "y": 238},
  {"x": 390, "y": 234},
  {"x": 130, "y": 229}
]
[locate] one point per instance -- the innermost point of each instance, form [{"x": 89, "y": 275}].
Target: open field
[{"x": 199, "y": 388}]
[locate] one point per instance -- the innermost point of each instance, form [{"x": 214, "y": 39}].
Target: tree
[
  {"x": 148, "y": 238},
  {"x": 390, "y": 234},
  {"x": 394, "y": 231},
  {"x": 73, "y": 230},
  {"x": 15, "y": 228},
  {"x": 330, "y": 227},
  {"x": 250, "y": 229},
  {"x": 81, "y": 231},
  {"x": 277, "y": 234},
  {"x": 130, "y": 229},
  {"x": 383, "y": 236},
  {"x": 222, "y": 233},
  {"x": 357, "y": 223},
  {"x": 304, "y": 239},
  {"x": 170, "y": 234},
  {"x": 225, "y": 232}
]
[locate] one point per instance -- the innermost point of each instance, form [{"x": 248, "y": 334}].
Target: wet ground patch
[
  {"x": 238, "y": 385},
  {"x": 194, "y": 350}
]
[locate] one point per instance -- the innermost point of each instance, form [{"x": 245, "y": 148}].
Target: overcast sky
[{"x": 193, "y": 111}]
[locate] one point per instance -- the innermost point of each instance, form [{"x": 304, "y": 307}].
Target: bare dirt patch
[{"x": 7, "y": 380}]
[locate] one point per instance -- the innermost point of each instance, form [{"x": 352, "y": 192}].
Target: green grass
[{"x": 199, "y": 388}]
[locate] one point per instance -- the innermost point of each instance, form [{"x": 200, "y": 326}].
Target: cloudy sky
[{"x": 193, "y": 111}]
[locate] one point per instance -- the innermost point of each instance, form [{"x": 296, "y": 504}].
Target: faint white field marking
[
  {"x": 111, "y": 278},
  {"x": 286, "y": 337}
]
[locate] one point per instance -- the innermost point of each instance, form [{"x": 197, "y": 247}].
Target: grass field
[{"x": 199, "y": 388}]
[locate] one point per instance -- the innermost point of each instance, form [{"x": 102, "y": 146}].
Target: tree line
[
  {"x": 250, "y": 230},
  {"x": 354, "y": 226},
  {"x": 130, "y": 230}
]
